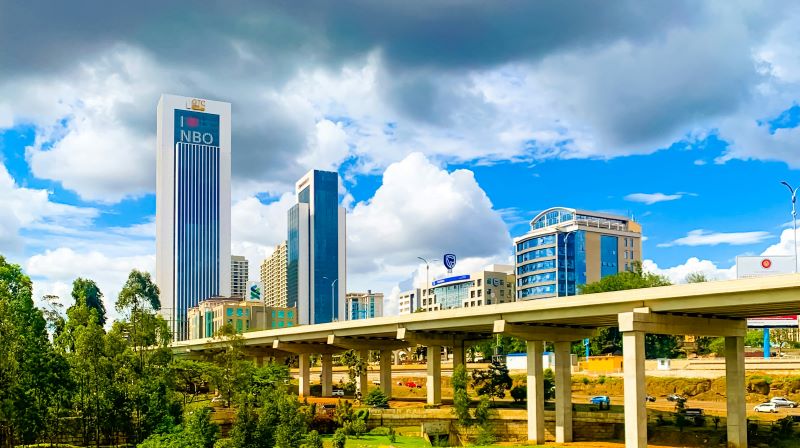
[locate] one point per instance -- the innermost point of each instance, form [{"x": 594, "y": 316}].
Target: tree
[
  {"x": 200, "y": 431},
  {"x": 190, "y": 376},
  {"x": 139, "y": 297},
  {"x": 32, "y": 374},
  {"x": 609, "y": 340},
  {"x": 376, "y": 398},
  {"x": 232, "y": 372},
  {"x": 86, "y": 292},
  {"x": 355, "y": 366},
  {"x": 492, "y": 382},
  {"x": 461, "y": 400},
  {"x": 696, "y": 277},
  {"x": 780, "y": 336}
]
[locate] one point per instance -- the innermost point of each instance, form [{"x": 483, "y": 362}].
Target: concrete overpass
[{"x": 703, "y": 309}]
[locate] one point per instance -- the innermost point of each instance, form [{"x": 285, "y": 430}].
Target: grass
[{"x": 380, "y": 441}]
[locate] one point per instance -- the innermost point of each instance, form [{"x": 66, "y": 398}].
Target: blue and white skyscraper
[
  {"x": 193, "y": 205},
  {"x": 316, "y": 251}
]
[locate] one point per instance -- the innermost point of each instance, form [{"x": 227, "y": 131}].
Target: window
[
  {"x": 289, "y": 324},
  {"x": 290, "y": 314},
  {"x": 480, "y": 302},
  {"x": 479, "y": 292},
  {"x": 502, "y": 292},
  {"x": 273, "y": 314},
  {"x": 280, "y": 314},
  {"x": 280, "y": 324},
  {"x": 479, "y": 282},
  {"x": 230, "y": 311},
  {"x": 472, "y": 294},
  {"x": 239, "y": 312}
]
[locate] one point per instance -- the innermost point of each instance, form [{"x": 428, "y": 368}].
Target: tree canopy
[{"x": 86, "y": 292}]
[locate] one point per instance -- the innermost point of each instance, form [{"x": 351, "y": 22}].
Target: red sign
[
  {"x": 766, "y": 263},
  {"x": 193, "y": 122}
]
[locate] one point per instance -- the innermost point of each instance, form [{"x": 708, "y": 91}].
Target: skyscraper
[
  {"x": 315, "y": 277},
  {"x": 239, "y": 275},
  {"x": 273, "y": 277},
  {"x": 193, "y": 204},
  {"x": 568, "y": 247}
]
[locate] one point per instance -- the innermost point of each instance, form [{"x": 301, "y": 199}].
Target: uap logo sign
[{"x": 449, "y": 261}]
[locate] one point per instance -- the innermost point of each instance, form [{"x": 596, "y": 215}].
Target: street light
[
  {"x": 793, "y": 191},
  {"x": 427, "y": 275},
  {"x": 333, "y": 297}
]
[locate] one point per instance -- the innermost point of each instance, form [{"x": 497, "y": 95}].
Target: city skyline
[{"x": 441, "y": 146}]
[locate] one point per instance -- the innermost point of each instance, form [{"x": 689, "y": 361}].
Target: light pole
[
  {"x": 793, "y": 191},
  {"x": 333, "y": 297},
  {"x": 427, "y": 275}
]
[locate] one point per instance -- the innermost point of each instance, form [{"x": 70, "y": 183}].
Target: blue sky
[{"x": 685, "y": 118}]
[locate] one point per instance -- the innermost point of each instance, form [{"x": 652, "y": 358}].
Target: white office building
[
  {"x": 408, "y": 301},
  {"x": 239, "y": 274},
  {"x": 193, "y": 205}
]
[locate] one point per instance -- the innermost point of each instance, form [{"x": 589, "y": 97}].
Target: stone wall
[{"x": 509, "y": 424}]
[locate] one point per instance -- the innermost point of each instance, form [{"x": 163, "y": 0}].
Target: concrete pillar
[
  {"x": 734, "y": 378},
  {"x": 259, "y": 360},
  {"x": 458, "y": 355},
  {"x": 327, "y": 375},
  {"x": 634, "y": 389},
  {"x": 304, "y": 362},
  {"x": 386, "y": 372},
  {"x": 535, "y": 387},
  {"x": 563, "y": 378},
  {"x": 363, "y": 380},
  {"x": 434, "y": 379}
]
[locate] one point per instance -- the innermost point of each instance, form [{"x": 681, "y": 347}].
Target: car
[
  {"x": 376, "y": 382},
  {"x": 650, "y": 398},
  {"x": 692, "y": 412},
  {"x": 783, "y": 402},
  {"x": 411, "y": 384},
  {"x": 766, "y": 407},
  {"x": 600, "y": 400},
  {"x": 338, "y": 392},
  {"x": 676, "y": 398}
]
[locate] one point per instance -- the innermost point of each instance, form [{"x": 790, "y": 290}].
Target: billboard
[
  {"x": 450, "y": 279},
  {"x": 764, "y": 266}
]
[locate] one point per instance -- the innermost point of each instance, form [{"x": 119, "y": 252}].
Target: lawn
[{"x": 380, "y": 441}]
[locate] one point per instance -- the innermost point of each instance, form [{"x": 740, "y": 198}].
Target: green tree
[
  {"x": 190, "y": 376},
  {"x": 355, "y": 366},
  {"x": 492, "y": 382},
  {"x": 232, "y": 372},
  {"x": 696, "y": 277},
  {"x": 86, "y": 292},
  {"x": 609, "y": 340},
  {"x": 313, "y": 440},
  {"x": 139, "y": 297},
  {"x": 377, "y": 398},
  {"x": 461, "y": 400},
  {"x": 200, "y": 431},
  {"x": 30, "y": 369}
]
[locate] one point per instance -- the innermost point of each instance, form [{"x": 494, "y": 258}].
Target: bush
[
  {"x": 601, "y": 379},
  {"x": 519, "y": 393},
  {"x": 376, "y": 397},
  {"x": 313, "y": 440},
  {"x": 323, "y": 424},
  {"x": 392, "y": 436},
  {"x": 461, "y": 398},
  {"x": 359, "y": 428},
  {"x": 224, "y": 443},
  {"x": 585, "y": 381},
  {"x": 199, "y": 429},
  {"x": 485, "y": 436},
  {"x": 339, "y": 438}
]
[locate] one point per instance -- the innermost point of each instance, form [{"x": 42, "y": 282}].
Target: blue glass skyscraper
[
  {"x": 193, "y": 205},
  {"x": 566, "y": 248},
  {"x": 316, "y": 250}
]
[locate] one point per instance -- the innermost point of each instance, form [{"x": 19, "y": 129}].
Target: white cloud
[
  {"x": 27, "y": 208},
  {"x": 678, "y": 274},
  {"x": 256, "y": 228},
  {"x": 700, "y": 237},
  {"x": 53, "y": 271},
  {"x": 652, "y": 198}
]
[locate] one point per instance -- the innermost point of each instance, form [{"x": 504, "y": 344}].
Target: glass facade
[
  {"x": 451, "y": 296},
  {"x": 609, "y": 259},
  {"x": 292, "y": 256},
  {"x": 197, "y": 214},
  {"x": 326, "y": 245}
]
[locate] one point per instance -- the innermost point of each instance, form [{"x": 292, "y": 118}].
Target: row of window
[
  {"x": 537, "y": 278},
  {"x": 628, "y": 254},
  {"x": 534, "y": 254},
  {"x": 537, "y": 291},
  {"x": 537, "y": 266},
  {"x": 628, "y": 242},
  {"x": 280, "y": 314},
  {"x": 535, "y": 242}
]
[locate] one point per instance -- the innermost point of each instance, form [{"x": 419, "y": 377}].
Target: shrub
[
  {"x": 323, "y": 423},
  {"x": 339, "y": 438},
  {"x": 485, "y": 436},
  {"x": 519, "y": 393},
  {"x": 224, "y": 443},
  {"x": 461, "y": 398},
  {"x": 392, "y": 435},
  {"x": 376, "y": 397},
  {"x": 313, "y": 440},
  {"x": 601, "y": 379},
  {"x": 585, "y": 381},
  {"x": 359, "y": 428}
]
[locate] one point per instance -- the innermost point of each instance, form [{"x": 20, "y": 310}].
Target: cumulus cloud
[
  {"x": 53, "y": 271},
  {"x": 256, "y": 228},
  {"x": 700, "y": 237},
  {"x": 652, "y": 198},
  {"x": 694, "y": 265}
]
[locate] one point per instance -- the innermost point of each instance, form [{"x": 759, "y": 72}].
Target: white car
[
  {"x": 766, "y": 407},
  {"x": 338, "y": 393},
  {"x": 783, "y": 402}
]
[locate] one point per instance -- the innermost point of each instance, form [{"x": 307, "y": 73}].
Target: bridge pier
[
  {"x": 634, "y": 325},
  {"x": 535, "y": 392},
  {"x": 304, "y": 364},
  {"x": 386, "y": 372},
  {"x": 326, "y": 379},
  {"x": 433, "y": 382},
  {"x": 563, "y": 376},
  {"x": 458, "y": 354}
]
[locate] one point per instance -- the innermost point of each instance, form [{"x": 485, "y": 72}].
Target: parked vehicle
[
  {"x": 766, "y": 407},
  {"x": 650, "y": 398},
  {"x": 692, "y": 412},
  {"x": 783, "y": 402},
  {"x": 411, "y": 384},
  {"x": 338, "y": 392},
  {"x": 676, "y": 398},
  {"x": 601, "y": 400}
]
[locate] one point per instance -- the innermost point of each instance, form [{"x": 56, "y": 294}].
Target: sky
[{"x": 451, "y": 124}]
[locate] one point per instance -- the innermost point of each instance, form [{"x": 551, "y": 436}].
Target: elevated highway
[{"x": 702, "y": 309}]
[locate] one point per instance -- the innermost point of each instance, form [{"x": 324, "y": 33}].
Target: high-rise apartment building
[
  {"x": 239, "y": 275},
  {"x": 193, "y": 205},
  {"x": 273, "y": 277},
  {"x": 360, "y": 305},
  {"x": 316, "y": 251},
  {"x": 566, "y": 248}
]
